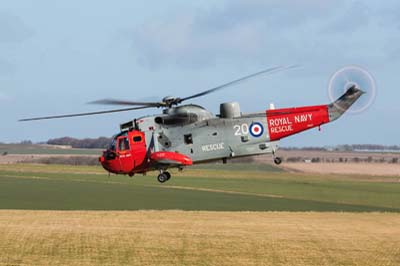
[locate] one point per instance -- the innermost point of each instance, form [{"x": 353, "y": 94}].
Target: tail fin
[
  {"x": 337, "y": 108},
  {"x": 289, "y": 121}
]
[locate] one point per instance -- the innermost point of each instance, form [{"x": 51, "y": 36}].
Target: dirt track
[
  {"x": 375, "y": 169},
  {"x": 15, "y": 158},
  {"x": 18, "y": 158},
  {"x": 330, "y": 162},
  {"x": 331, "y": 156}
]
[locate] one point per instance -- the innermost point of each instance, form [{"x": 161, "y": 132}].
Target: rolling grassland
[{"x": 207, "y": 215}]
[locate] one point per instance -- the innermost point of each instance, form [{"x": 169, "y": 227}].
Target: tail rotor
[{"x": 353, "y": 77}]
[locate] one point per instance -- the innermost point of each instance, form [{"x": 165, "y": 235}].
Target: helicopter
[{"x": 187, "y": 134}]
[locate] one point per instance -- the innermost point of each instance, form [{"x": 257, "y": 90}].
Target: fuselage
[
  {"x": 190, "y": 134},
  {"x": 204, "y": 137}
]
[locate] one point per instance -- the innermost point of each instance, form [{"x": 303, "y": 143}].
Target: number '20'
[{"x": 241, "y": 130}]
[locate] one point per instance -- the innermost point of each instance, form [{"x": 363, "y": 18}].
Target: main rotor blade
[
  {"x": 237, "y": 81},
  {"x": 123, "y": 102},
  {"x": 83, "y": 114}
]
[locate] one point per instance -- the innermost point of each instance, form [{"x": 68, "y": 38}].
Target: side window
[
  {"x": 188, "y": 139},
  {"x": 123, "y": 144},
  {"x": 137, "y": 138}
]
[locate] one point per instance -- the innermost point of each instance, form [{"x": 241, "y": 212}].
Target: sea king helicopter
[{"x": 188, "y": 134}]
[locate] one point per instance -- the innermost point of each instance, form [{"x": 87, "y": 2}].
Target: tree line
[{"x": 349, "y": 147}]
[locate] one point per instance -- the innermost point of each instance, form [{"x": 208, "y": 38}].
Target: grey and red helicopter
[{"x": 188, "y": 134}]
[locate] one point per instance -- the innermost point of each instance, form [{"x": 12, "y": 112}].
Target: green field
[{"x": 212, "y": 188}]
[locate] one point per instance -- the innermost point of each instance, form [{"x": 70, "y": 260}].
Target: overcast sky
[{"x": 55, "y": 56}]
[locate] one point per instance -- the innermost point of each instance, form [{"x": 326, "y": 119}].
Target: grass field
[
  {"x": 207, "y": 215},
  {"x": 198, "y": 238},
  {"x": 55, "y": 187}
]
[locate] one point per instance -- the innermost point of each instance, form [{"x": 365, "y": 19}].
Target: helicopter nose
[
  {"x": 107, "y": 164},
  {"x": 104, "y": 163}
]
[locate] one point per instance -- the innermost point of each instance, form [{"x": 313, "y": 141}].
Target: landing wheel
[
  {"x": 277, "y": 160},
  {"x": 162, "y": 177},
  {"x": 168, "y": 175},
  {"x": 131, "y": 174}
]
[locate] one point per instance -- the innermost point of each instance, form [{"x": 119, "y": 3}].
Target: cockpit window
[
  {"x": 124, "y": 133},
  {"x": 112, "y": 145},
  {"x": 123, "y": 144}
]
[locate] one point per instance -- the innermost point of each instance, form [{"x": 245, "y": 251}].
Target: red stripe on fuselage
[
  {"x": 288, "y": 121},
  {"x": 172, "y": 157}
]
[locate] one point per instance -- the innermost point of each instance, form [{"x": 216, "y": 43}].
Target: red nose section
[
  {"x": 104, "y": 163},
  {"x": 108, "y": 165},
  {"x": 127, "y": 153}
]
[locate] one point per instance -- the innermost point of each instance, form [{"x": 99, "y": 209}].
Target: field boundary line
[{"x": 222, "y": 191}]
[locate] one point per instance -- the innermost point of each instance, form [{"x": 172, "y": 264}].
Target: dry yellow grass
[{"x": 198, "y": 238}]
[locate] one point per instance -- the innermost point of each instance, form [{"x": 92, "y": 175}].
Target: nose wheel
[{"x": 163, "y": 177}]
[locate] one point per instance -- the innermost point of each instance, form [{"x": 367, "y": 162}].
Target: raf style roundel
[{"x": 256, "y": 129}]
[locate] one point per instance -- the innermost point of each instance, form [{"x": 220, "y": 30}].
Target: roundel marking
[{"x": 256, "y": 129}]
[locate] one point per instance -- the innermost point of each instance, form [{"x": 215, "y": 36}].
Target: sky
[{"x": 55, "y": 56}]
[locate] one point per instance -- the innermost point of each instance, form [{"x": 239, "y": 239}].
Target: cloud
[
  {"x": 13, "y": 29},
  {"x": 389, "y": 15},
  {"x": 355, "y": 16},
  {"x": 240, "y": 31},
  {"x": 321, "y": 34},
  {"x": 4, "y": 97},
  {"x": 282, "y": 14},
  {"x": 184, "y": 43},
  {"x": 6, "y": 68}
]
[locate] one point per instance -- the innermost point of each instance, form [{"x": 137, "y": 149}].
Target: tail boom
[{"x": 289, "y": 121}]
